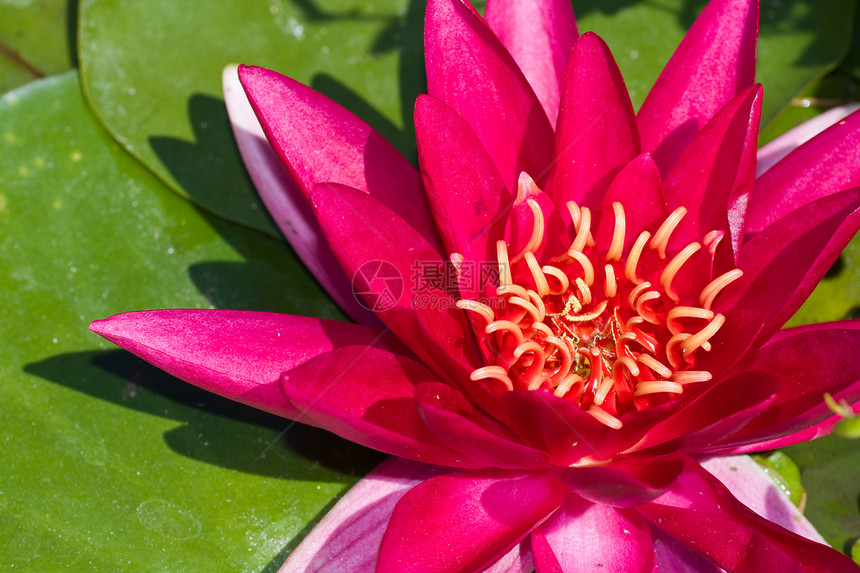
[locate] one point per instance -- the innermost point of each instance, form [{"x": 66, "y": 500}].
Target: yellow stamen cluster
[{"x": 590, "y": 328}]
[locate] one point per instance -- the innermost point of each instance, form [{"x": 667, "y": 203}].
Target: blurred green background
[{"x": 121, "y": 189}]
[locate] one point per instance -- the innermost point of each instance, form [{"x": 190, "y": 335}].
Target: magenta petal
[
  {"x": 597, "y": 132},
  {"x": 470, "y": 70},
  {"x": 237, "y": 354},
  {"x": 584, "y": 536},
  {"x": 835, "y": 368},
  {"x": 623, "y": 483},
  {"x": 749, "y": 483},
  {"x": 467, "y": 195},
  {"x": 285, "y": 201},
  {"x": 540, "y": 36},
  {"x": 465, "y": 521},
  {"x": 822, "y": 166},
  {"x": 672, "y": 556},
  {"x": 781, "y": 265},
  {"x": 364, "y": 234},
  {"x": 455, "y": 421},
  {"x": 367, "y": 396},
  {"x": 716, "y": 172},
  {"x": 772, "y": 153},
  {"x": 642, "y": 209},
  {"x": 714, "y": 63},
  {"x": 296, "y": 119},
  {"x": 702, "y": 514},
  {"x": 348, "y": 537}
]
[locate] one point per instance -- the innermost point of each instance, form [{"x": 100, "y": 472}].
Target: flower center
[{"x": 607, "y": 331}]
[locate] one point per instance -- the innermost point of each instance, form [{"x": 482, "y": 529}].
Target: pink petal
[
  {"x": 824, "y": 165},
  {"x": 585, "y": 536},
  {"x": 622, "y": 483},
  {"x": 716, "y": 172},
  {"x": 701, "y": 513},
  {"x": 540, "y": 37},
  {"x": 464, "y": 521},
  {"x": 455, "y": 421},
  {"x": 348, "y": 537},
  {"x": 674, "y": 557},
  {"x": 470, "y": 70},
  {"x": 468, "y": 198},
  {"x": 642, "y": 209},
  {"x": 807, "y": 363},
  {"x": 716, "y": 413},
  {"x": 781, "y": 265},
  {"x": 597, "y": 132},
  {"x": 364, "y": 233},
  {"x": 772, "y": 153},
  {"x": 714, "y": 63},
  {"x": 284, "y": 200},
  {"x": 318, "y": 141},
  {"x": 367, "y": 395},
  {"x": 753, "y": 487},
  {"x": 239, "y": 355}
]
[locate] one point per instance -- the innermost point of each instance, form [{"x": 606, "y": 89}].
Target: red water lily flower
[{"x": 569, "y": 301}]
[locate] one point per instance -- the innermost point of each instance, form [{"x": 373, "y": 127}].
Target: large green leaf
[
  {"x": 108, "y": 464},
  {"x": 157, "y": 88},
  {"x": 37, "y": 38}
]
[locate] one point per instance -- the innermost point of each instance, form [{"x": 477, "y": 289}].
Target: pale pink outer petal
[
  {"x": 285, "y": 201},
  {"x": 754, "y": 488},
  {"x": 585, "y": 536},
  {"x": 715, "y": 62},
  {"x": 772, "y": 153},
  {"x": 540, "y": 36},
  {"x": 348, "y": 537}
]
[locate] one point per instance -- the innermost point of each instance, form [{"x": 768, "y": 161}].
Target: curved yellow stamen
[
  {"x": 493, "y": 372},
  {"x": 655, "y": 365},
  {"x": 531, "y": 309},
  {"x": 605, "y": 418},
  {"x": 508, "y": 327},
  {"x": 537, "y": 274},
  {"x": 616, "y": 246},
  {"x": 657, "y": 386},
  {"x": 700, "y": 338},
  {"x": 679, "y": 312},
  {"x": 661, "y": 237},
  {"x": 713, "y": 288},
  {"x": 477, "y": 307},
  {"x": 633, "y": 258},
  {"x": 582, "y": 233},
  {"x": 558, "y": 275},
  {"x": 674, "y": 266},
  {"x": 610, "y": 286},
  {"x": 691, "y": 376},
  {"x": 505, "y": 278},
  {"x": 585, "y": 263}
]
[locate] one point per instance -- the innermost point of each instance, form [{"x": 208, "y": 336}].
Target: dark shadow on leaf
[{"x": 213, "y": 429}]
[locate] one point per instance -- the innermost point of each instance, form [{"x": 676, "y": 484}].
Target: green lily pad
[
  {"x": 829, "y": 470},
  {"x": 158, "y": 88},
  {"x": 109, "y": 464},
  {"x": 37, "y": 38}
]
